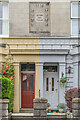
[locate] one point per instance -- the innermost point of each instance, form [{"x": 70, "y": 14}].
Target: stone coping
[
  {"x": 31, "y": 114},
  {"x": 40, "y": 100},
  {"x": 76, "y": 100},
  {"x": 4, "y": 100},
  {"x": 22, "y": 114}
]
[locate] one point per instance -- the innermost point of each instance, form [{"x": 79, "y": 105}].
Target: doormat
[{"x": 53, "y": 111}]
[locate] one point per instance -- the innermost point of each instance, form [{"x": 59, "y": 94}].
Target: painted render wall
[{"x": 59, "y": 20}]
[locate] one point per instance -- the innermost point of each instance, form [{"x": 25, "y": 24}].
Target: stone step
[
  {"x": 30, "y": 115},
  {"x": 26, "y": 110}
]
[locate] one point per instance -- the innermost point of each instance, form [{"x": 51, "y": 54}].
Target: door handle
[{"x": 33, "y": 92}]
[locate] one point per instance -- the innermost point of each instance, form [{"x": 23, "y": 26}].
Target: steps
[{"x": 24, "y": 110}]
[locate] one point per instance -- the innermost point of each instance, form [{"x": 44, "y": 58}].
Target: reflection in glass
[
  {"x": 0, "y": 10},
  {"x": 47, "y": 82},
  {"x": 52, "y": 84},
  {"x": 28, "y": 67},
  {"x": 24, "y": 82},
  {"x": 0, "y": 26},
  {"x": 50, "y": 68},
  {"x": 30, "y": 82}
]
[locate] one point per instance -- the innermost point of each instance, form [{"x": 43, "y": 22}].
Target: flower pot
[{"x": 61, "y": 110}]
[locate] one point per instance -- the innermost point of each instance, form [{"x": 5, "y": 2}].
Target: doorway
[{"x": 27, "y": 90}]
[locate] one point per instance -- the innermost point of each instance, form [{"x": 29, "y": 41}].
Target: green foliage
[
  {"x": 63, "y": 81},
  {"x": 70, "y": 94},
  {"x": 48, "y": 105},
  {"x": 8, "y": 91},
  {"x": 61, "y": 105}
]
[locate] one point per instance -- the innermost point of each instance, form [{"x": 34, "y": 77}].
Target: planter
[
  {"x": 76, "y": 108},
  {"x": 4, "y": 107},
  {"x": 40, "y": 107},
  {"x": 63, "y": 81},
  {"x": 61, "y": 110}
]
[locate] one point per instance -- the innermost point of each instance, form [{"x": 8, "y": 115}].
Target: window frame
[
  {"x": 4, "y": 19},
  {"x": 73, "y": 18}
]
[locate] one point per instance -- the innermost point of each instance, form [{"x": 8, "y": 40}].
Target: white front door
[{"x": 51, "y": 88}]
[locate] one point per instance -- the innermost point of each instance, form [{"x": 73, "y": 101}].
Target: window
[
  {"x": 50, "y": 68},
  {"x": 3, "y": 19},
  {"x": 47, "y": 84},
  {"x": 28, "y": 67},
  {"x": 75, "y": 18},
  {"x": 52, "y": 84}
]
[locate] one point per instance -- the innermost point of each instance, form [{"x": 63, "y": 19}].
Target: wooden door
[
  {"x": 51, "y": 88},
  {"x": 27, "y": 90}
]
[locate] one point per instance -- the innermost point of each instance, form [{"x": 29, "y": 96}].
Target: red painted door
[{"x": 27, "y": 90}]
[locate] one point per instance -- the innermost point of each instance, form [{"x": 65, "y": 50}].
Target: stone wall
[
  {"x": 40, "y": 107},
  {"x": 4, "y": 108},
  {"x": 76, "y": 108}
]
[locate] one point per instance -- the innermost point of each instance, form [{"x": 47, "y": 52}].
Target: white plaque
[{"x": 39, "y": 17}]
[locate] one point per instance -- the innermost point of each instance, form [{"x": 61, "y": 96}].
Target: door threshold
[{"x": 26, "y": 110}]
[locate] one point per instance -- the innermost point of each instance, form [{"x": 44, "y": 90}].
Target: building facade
[{"x": 42, "y": 39}]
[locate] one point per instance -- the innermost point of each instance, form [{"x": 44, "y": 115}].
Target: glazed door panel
[{"x": 27, "y": 90}]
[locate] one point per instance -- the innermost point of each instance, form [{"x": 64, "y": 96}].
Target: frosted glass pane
[
  {"x": 79, "y": 10},
  {"x": 31, "y": 83},
  {"x": 24, "y": 82},
  {"x": 0, "y": 27},
  {"x": 79, "y": 26},
  {"x": 0, "y": 10},
  {"x": 5, "y": 27},
  {"x": 5, "y": 11},
  {"x": 74, "y": 9},
  {"x": 74, "y": 27}
]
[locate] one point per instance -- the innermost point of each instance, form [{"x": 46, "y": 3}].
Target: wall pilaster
[
  {"x": 61, "y": 89},
  {"x": 16, "y": 88},
  {"x": 37, "y": 80}
]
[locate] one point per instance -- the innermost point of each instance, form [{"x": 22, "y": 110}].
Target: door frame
[{"x": 27, "y": 73}]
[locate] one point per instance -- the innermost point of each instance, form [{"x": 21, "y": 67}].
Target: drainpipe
[{"x": 39, "y": 93}]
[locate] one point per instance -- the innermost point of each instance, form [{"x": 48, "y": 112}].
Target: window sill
[
  {"x": 75, "y": 36},
  {"x": 4, "y": 36}
]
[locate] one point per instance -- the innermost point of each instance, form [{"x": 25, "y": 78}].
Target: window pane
[
  {"x": 31, "y": 83},
  {"x": 5, "y": 11},
  {"x": 47, "y": 82},
  {"x": 52, "y": 84},
  {"x": 78, "y": 26},
  {"x": 0, "y": 27},
  {"x": 0, "y": 10},
  {"x": 75, "y": 7},
  {"x": 5, "y": 27},
  {"x": 50, "y": 68},
  {"x": 28, "y": 67},
  {"x": 24, "y": 83},
  {"x": 79, "y": 9},
  {"x": 74, "y": 27}
]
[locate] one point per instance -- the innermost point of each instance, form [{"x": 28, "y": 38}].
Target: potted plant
[
  {"x": 48, "y": 105},
  {"x": 63, "y": 81},
  {"x": 61, "y": 107}
]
